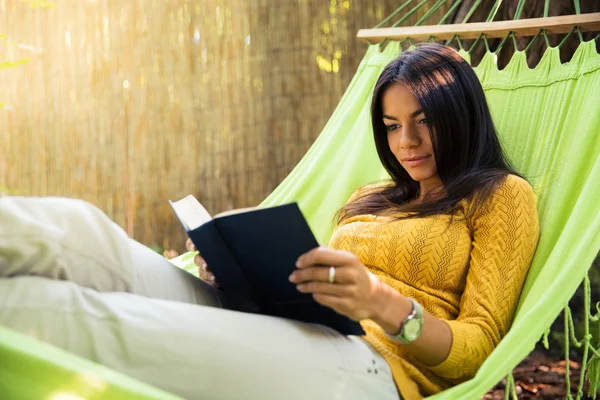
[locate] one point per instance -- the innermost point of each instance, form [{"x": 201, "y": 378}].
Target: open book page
[
  {"x": 235, "y": 211},
  {"x": 191, "y": 213}
]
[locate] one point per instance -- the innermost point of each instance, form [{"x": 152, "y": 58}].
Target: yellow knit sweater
[{"x": 468, "y": 272}]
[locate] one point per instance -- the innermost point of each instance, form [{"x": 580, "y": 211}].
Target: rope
[
  {"x": 409, "y": 14},
  {"x": 545, "y": 339},
  {"x": 431, "y": 11},
  {"x": 533, "y": 40},
  {"x": 586, "y": 333},
  {"x": 589, "y": 365},
  {"x": 519, "y": 9},
  {"x": 546, "y": 38},
  {"x": 487, "y": 45},
  {"x": 458, "y": 42},
  {"x": 502, "y": 43},
  {"x": 566, "y": 38},
  {"x": 471, "y": 11},
  {"x": 581, "y": 39},
  {"x": 510, "y": 388},
  {"x": 460, "y": 45},
  {"x": 494, "y": 10},
  {"x": 577, "y": 7},
  {"x": 450, "y": 11},
  {"x": 392, "y": 15},
  {"x": 475, "y": 43},
  {"x": 571, "y": 332},
  {"x": 546, "y": 8},
  {"x": 596, "y": 317},
  {"x": 515, "y": 44},
  {"x": 567, "y": 313}
]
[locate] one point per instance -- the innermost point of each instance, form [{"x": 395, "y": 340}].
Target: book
[{"x": 252, "y": 253}]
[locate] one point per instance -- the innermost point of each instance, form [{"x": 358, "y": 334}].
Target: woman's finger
[
  {"x": 340, "y": 275},
  {"x": 207, "y": 277},
  {"x": 199, "y": 261},
  {"x": 189, "y": 245},
  {"x": 337, "y": 303},
  {"x": 326, "y": 288},
  {"x": 325, "y": 256},
  {"x": 169, "y": 254},
  {"x": 204, "y": 272}
]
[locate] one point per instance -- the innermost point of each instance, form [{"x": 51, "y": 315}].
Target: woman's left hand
[{"x": 351, "y": 294}]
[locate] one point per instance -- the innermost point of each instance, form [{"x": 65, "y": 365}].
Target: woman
[{"x": 431, "y": 263}]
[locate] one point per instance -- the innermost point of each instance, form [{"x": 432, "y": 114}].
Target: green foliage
[
  {"x": 6, "y": 191},
  {"x": 40, "y": 3},
  {"x": 593, "y": 376},
  {"x": 13, "y": 64},
  {"x": 157, "y": 249}
]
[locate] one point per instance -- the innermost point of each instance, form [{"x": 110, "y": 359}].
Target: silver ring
[{"x": 331, "y": 274}]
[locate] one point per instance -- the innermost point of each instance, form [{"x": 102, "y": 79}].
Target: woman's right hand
[{"x": 203, "y": 270}]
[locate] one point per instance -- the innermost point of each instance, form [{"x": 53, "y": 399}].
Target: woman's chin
[
  {"x": 419, "y": 177},
  {"x": 422, "y": 177}
]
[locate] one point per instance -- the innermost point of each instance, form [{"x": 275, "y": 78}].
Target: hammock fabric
[{"x": 550, "y": 127}]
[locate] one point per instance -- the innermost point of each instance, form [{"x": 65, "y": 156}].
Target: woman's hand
[
  {"x": 358, "y": 294},
  {"x": 354, "y": 287},
  {"x": 203, "y": 270}
]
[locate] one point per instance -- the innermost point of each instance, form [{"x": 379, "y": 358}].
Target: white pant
[{"x": 71, "y": 277}]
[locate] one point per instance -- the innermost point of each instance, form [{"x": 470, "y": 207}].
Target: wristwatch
[{"x": 411, "y": 327}]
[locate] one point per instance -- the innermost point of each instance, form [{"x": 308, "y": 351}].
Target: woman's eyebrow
[
  {"x": 413, "y": 114},
  {"x": 419, "y": 111}
]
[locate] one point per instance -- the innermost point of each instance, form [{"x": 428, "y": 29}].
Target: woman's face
[{"x": 408, "y": 134}]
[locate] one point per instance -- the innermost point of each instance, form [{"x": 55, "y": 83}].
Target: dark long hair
[{"x": 469, "y": 158}]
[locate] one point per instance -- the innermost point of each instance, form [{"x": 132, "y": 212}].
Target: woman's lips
[{"x": 414, "y": 161}]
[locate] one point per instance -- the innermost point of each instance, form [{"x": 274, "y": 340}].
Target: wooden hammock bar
[{"x": 498, "y": 29}]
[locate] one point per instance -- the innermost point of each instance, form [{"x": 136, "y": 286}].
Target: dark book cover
[{"x": 252, "y": 254}]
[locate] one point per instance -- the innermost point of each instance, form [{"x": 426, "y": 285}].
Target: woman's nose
[{"x": 408, "y": 139}]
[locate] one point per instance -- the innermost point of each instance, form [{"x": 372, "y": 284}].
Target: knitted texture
[{"x": 468, "y": 272}]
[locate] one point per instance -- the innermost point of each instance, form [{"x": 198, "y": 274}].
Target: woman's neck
[{"x": 430, "y": 190}]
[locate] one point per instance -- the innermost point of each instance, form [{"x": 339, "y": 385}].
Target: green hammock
[{"x": 550, "y": 127}]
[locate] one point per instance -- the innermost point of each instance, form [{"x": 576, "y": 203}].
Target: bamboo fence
[{"x": 129, "y": 103}]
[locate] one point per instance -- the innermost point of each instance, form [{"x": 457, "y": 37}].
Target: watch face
[{"x": 412, "y": 329}]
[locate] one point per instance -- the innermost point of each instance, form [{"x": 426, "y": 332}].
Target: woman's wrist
[{"x": 390, "y": 308}]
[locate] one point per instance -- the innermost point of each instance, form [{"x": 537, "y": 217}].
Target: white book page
[
  {"x": 236, "y": 211},
  {"x": 191, "y": 213}
]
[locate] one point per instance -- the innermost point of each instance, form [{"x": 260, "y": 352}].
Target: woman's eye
[
  {"x": 390, "y": 128},
  {"x": 423, "y": 121}
]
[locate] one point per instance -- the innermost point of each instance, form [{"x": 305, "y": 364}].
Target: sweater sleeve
[{"x": 504, "y": 239}]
